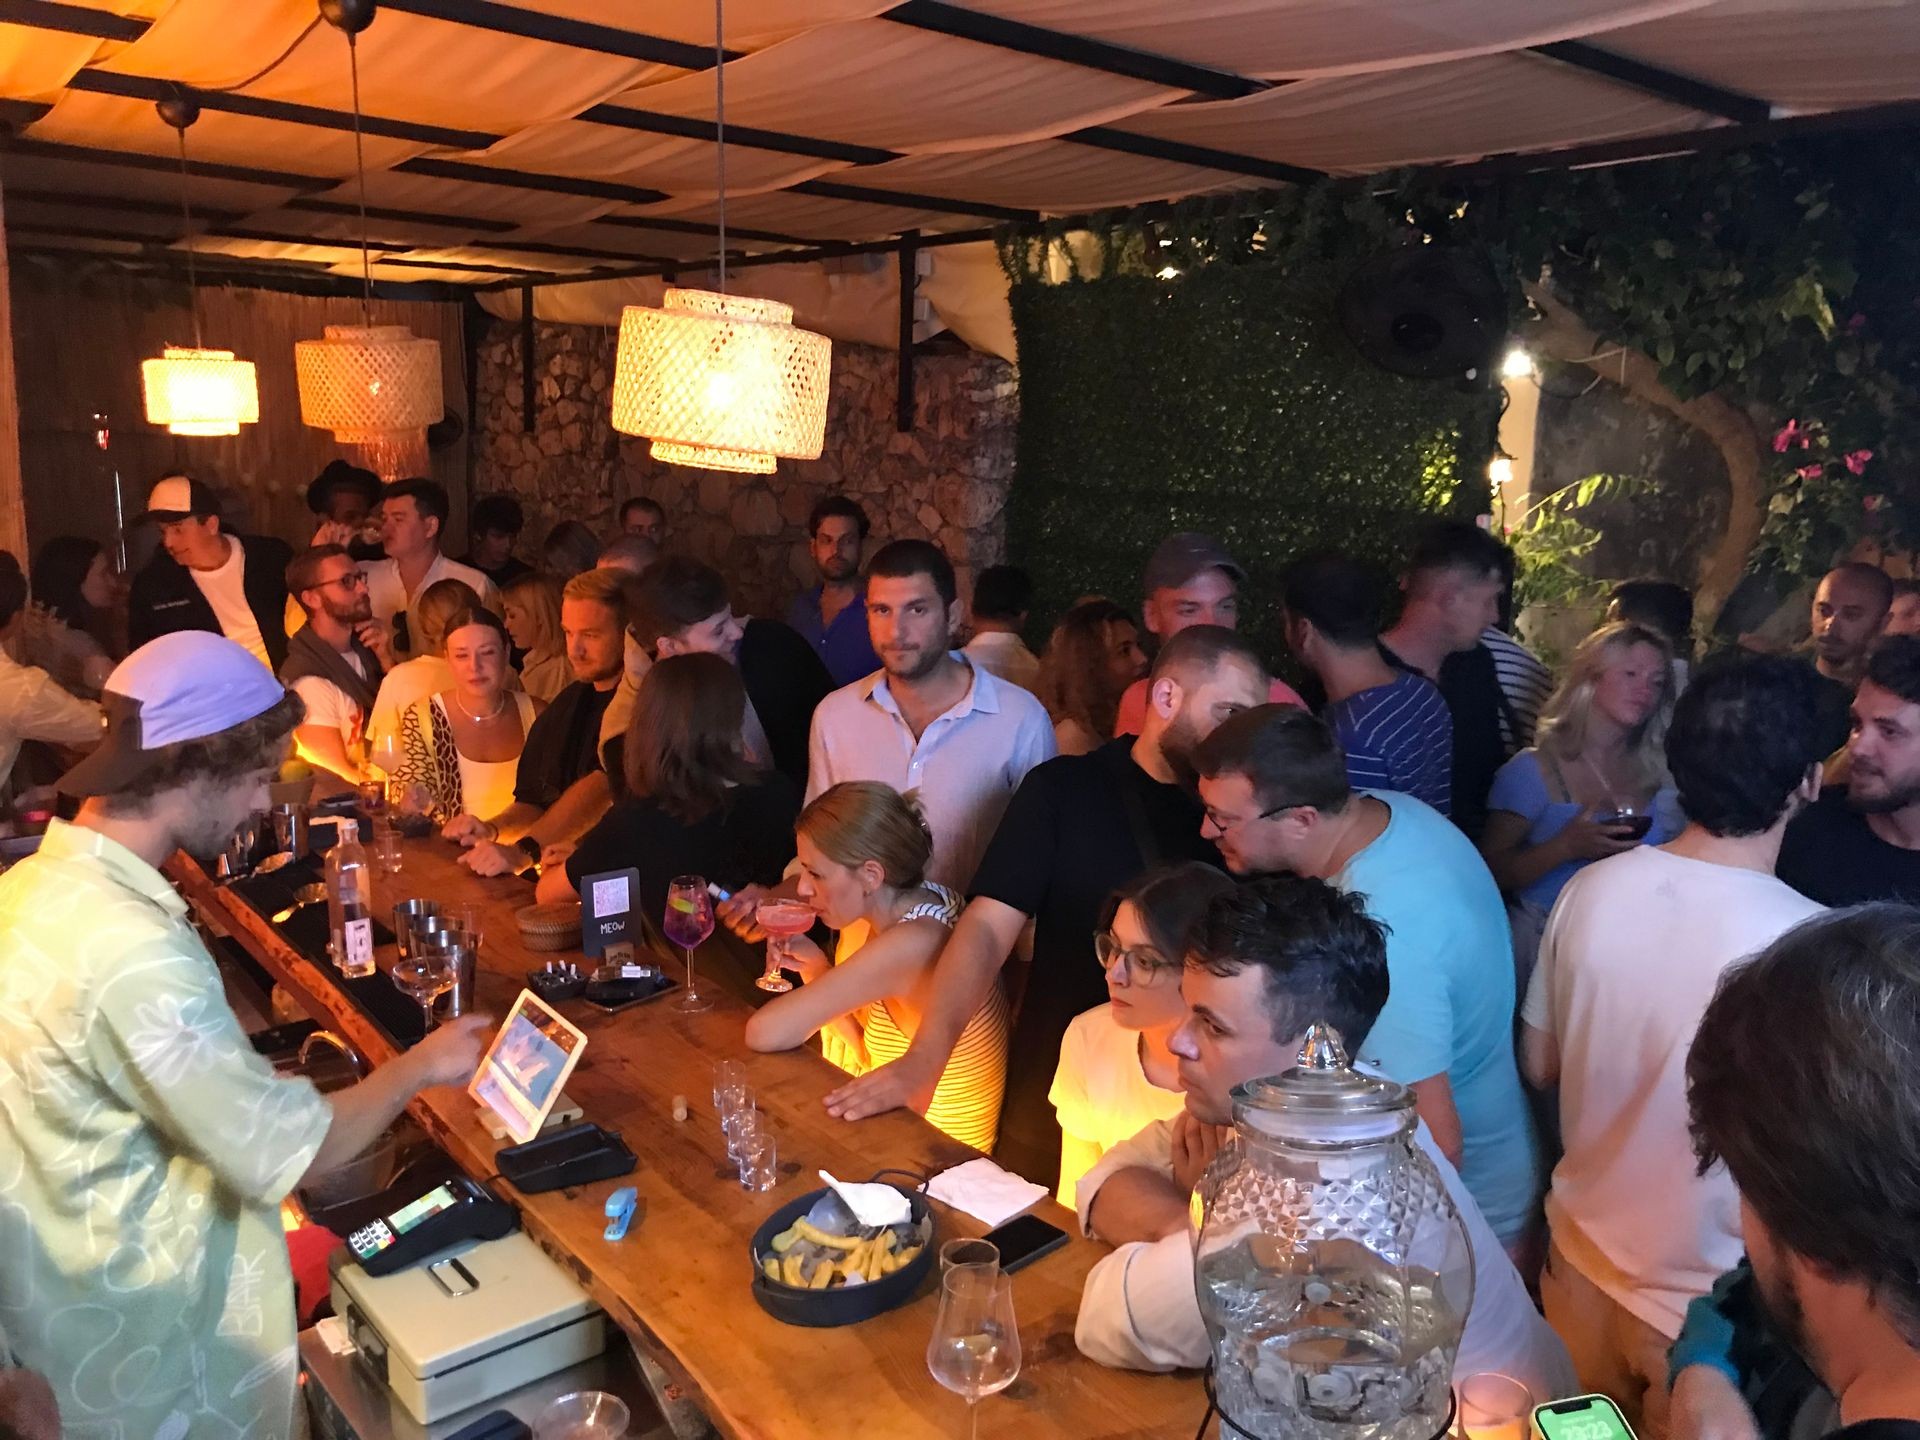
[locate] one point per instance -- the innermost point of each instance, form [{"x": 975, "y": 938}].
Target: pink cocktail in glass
[{"x": 781, "y": 919}]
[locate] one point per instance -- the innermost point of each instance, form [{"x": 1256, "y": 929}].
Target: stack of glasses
[{"x": 750, "y": 1142}]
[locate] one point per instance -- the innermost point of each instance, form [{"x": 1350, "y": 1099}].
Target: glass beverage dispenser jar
[{"x": 1334, "y": 1273}]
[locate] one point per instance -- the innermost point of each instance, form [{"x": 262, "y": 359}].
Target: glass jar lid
[{"x": 1323, "y": 1100}]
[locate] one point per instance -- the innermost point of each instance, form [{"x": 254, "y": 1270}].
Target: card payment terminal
[{"x": 454, "y": 1210}]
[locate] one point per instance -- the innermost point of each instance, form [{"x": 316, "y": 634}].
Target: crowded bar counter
[{"x": 679, "y": 1283}]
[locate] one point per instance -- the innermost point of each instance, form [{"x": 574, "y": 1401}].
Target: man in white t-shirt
[
  {"x": 1266, "y": 960},
  {"x": 1633, "y": 951},
  {"x": 335, "y": 661},
  {"x": 204, "y": 578},
  {"x": 413, "y": 517}
]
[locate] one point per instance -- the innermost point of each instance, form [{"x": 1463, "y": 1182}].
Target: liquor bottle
[{"x": 350, "y": 904}]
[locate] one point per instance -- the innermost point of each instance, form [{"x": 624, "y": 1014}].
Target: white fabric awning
[{"x": 538, "y": 140}]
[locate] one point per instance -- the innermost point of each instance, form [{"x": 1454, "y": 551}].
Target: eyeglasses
[
  {"x": 1141, "y": 960},
  {"x": 353, "y": 580},
  {"x": 1226, "y": 823}
]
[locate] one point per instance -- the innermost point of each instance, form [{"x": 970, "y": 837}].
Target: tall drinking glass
[
  {"x": 781, "y": 919},
  {"x": 975, "y": 1349},
  {"x": 688, "y": 923}
]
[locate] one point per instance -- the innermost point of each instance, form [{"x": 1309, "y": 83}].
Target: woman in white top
[
  {"x": 427, "y": 673},
  {"x": 531, "y": 607},
  {"x": 463, "y": 745},
  {"x": 1116, "y": 1074},
  {"x": 863, "y": 853}
]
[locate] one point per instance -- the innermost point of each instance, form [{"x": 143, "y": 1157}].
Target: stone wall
[{"x": 945, "y": 480}]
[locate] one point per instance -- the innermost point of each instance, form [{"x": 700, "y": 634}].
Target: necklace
[
  {"x": 1612, "y": 798},
  {"x": 482, "y": 719}
]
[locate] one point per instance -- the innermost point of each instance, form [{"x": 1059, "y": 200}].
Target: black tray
[
  {"x": 576, "y": 1154},
  {"x": 843, "y": 1304}
]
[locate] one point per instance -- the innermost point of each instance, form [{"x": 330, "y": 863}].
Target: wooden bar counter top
[{"x": 679, "y": 1284}]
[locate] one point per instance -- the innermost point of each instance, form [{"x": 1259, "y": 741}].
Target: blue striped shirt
[{"x": 1398, "y": 736}]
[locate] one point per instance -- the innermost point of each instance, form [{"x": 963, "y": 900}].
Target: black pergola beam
[
  {"x": 1078, "y": 50},
  {"x": 1105, "y": 137},
  {"x": 71, "y": 19},
  {"x": 669, "y": 225},
  {"x": 867, "y": 195},
  {"x": 140, "y": 87},
  {"x": 124, "y": 204},
  {"x": 1668, "y": 85},
  {"x": 316, "y": 206},
  {"x": 134, "y": 160},
  {"x": 580, "y": 34},
  {"x": 529, "y": 180},
  {"x": 655, "y": 123}
]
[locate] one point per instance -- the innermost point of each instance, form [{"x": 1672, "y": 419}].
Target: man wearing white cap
[
  {"x": 144, "y": 1146},
  {"x": 204, "y": 578}
]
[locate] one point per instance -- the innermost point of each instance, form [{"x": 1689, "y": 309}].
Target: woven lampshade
[
  {"x": 723, "y": 382},
  {"x": 363, "y": 382},
  {"x": 200, "y": 392}
]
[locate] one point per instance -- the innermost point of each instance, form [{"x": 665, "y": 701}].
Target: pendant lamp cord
[
  {"x": 360, "y": 169},
  {"x": 186, "y": 214},
  {"x": 720, "y": 124}
]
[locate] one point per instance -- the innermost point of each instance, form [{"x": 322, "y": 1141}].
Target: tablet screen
[{"x": 530, "y": 1059}]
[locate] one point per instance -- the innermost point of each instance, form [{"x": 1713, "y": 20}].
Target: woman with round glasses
[{"x": 1116, "y": 1074}]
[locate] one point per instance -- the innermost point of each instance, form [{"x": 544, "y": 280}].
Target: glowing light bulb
[
  {"x": 1167, "y": 272},
  {"x": 1500, "y": 470},
  {"x": 1518, "y": 365}
]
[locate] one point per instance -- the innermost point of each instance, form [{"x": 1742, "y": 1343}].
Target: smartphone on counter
[
  {"x": 1585, "y": 1417},
  {"x": 1023, "y": 1240}
]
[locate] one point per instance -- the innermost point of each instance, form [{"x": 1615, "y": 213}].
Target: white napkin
[
  {"x": 872, "y": 1205},
  {"x": 981, "y": 1188}
]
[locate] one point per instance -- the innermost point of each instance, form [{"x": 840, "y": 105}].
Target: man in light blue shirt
[{"x": 1277, "y": 799}]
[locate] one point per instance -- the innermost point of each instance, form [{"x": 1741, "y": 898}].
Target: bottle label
[{"x": 357, "y": 938}]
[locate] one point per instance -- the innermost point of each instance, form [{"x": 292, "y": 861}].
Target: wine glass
[
  {"x": 425, "y": 975},
  {"x": 688, "y": 922},
  {"x": 975, "y": 1348},
  {"x": 781, "y": 919}
]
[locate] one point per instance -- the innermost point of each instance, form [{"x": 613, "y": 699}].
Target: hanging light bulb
[
  {"x": 720, "y": 381},
  {"x": 190, "y": 389},
  {"x": 376, "y": 387}
]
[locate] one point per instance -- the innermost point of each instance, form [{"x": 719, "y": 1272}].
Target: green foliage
[
  {"x": 1549, "y": 544},
  {"x": 1223, "y": 399}
]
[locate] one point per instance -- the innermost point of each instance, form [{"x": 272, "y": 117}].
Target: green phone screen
[{"x": 1589, "y": 1417}]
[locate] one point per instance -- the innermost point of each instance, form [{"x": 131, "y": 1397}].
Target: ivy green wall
[{"x": 1227, "y": 400}]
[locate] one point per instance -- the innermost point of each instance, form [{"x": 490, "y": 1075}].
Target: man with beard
[
  {"x": 145, "y": 1148},
  {"x": 335, "y": 661},
  {"x": 929, "y": 721},
  {"x": 832, "y": 616},
  {"x": 1861, "y": 841},
  {"x": 1821, "y": 1328},
  {"x": 1079, "y": 827},
  {"x": 1849, "y": 612},
  {"x": 1277, "y": 799}
]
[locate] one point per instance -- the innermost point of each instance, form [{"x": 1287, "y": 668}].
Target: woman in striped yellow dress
[{"x": 863, "y": 853}]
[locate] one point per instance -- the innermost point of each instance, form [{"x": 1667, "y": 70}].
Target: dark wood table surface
[{"x": 679, "y": 1284}]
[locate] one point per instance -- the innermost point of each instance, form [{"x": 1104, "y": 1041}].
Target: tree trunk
[{"x": 1562, "y": 335}]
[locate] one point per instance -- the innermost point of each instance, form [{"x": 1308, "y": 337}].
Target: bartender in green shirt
[{"x": 144, "y": 1146}]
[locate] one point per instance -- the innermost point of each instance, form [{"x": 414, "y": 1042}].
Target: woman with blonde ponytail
[{"x": 863, "y": 852}]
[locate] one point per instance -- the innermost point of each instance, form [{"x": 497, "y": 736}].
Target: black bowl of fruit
[{"x": 816, "y": 1264}]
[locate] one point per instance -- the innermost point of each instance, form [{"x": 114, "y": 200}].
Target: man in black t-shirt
[
  {"x": 1862, "y": 842},
  {"x": 1078, "y": 827},
  {"x": 1821, "y": 1031},
  {"x": 1453, "y": 586}
]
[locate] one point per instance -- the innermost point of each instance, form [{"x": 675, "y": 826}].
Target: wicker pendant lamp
[
  {"x": 376, "y": 387},
  {"x": 190, "y": 389},
  {"x": 720, "y": 381}
]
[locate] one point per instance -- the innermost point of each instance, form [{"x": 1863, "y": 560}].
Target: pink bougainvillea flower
[
  {"x": 1872, "y": 503},
  {"x": 1786, "y": 435},
  {"x": 1810, "y": 472},
  {"x": 1856, "y": 461}
]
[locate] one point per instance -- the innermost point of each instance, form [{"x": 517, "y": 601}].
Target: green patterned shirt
[{"x": 144, "y": 1150}]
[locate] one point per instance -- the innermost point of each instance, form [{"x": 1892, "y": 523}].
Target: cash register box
[{"x": 467, "y": 1325}]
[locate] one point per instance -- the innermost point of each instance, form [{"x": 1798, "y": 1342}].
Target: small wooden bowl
[{"x": 550, "y": 927}]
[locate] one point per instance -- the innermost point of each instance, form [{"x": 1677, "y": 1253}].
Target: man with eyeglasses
[
  {"x": 1078, "y": 828},
  {"x": 335, "y": 661},
  {"x": 1277, "y": 799}
]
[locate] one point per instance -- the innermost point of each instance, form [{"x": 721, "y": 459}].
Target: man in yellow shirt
[{"x": 144, "y": 1146}]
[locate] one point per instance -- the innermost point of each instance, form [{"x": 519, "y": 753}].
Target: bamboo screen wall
[{"x": 78, "y": 348}]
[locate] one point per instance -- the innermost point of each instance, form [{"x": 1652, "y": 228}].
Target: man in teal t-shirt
[{"x": 1277, "y": 798}]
